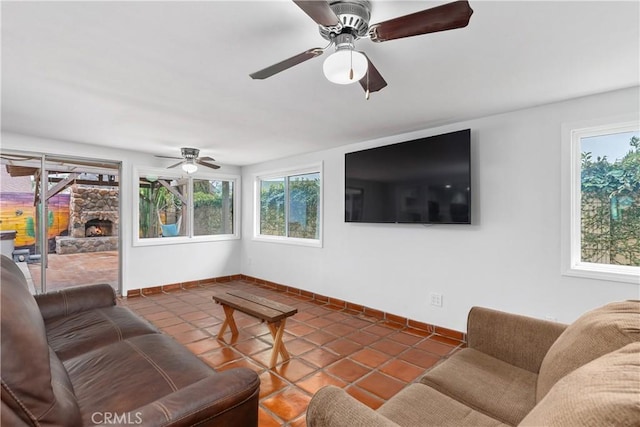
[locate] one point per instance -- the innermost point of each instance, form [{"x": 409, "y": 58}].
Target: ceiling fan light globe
[
  {"x": 338, "y": 65},
  {"x": 189, "y": 168}
]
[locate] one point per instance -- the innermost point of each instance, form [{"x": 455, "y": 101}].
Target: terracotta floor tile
[
  {"x": 371, "y": 358},
  {"x": 320, "y": 337},
  {"x": 339, "y": 329},
  {"x": 221, "y": 356},
  {"x": 250, "y": 347},
  {"x": 347, "y": 370},
  {"x": 242, "y": 363},
  {"x": 320, "y": 322},
  {"x": 318, "y": 380},
  {"x": 294, "y": 369},
  {"x": 191, "y": 336},
  {"x": 267, "y": 420},
  {"x": 168, "y": 321},
  {"x": 264, "y": 357},
  {"x": 300, "y": 421},
  {"x": 372, "y": 401},
  {"x": 202, "y": 346},
  {"x": 320, "y": 357},
  {"x": 379, "y": 330},
  {"x": 404, "y": 338},
  {"x": 299, "y": 346},
  {"x": 288, "y": 404},
  {"x": 363, "y": 338},
  {"x": 206, "y": 322},
  {"x": 159, "y": 315},
  {"x": 299, "y": 329},
  {"x": 343, "y": 347},
  {"x": 179, "y": 328},
  {"x": 270, "y": 383},
  {"x": 419, "y": 357},
  {"x": 381, "y": 385},
  {"x": 358, "y": 322},
  {"x": 435, "y": 347},
  {"x": 389, "y": 346},
  {"x": 402, "y": 370},
  {"x": 195, "y": 315}
]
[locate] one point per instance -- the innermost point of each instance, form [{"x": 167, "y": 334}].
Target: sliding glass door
[{"x": 63, "y": 214}]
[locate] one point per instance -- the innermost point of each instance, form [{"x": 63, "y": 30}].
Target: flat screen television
[{"x": 423, "y": 181}]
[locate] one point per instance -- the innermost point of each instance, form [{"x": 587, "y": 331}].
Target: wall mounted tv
[{"x": 424, "y": 181}]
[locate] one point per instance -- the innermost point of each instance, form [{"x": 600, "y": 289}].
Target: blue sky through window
[{"x": 615, "y": 146}]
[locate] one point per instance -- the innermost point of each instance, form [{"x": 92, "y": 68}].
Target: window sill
[
  {"x": 177, "y": 240},
  {"x": 289, "y": 241},
  {"x": 614, "y": 273}
]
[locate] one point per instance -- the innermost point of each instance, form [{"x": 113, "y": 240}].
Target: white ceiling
[{"x": 156, "y": 76}]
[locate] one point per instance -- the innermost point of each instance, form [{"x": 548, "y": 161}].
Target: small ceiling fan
[
  {"x": 342, "y": 22},
  {"x": 191, "y": 160}
]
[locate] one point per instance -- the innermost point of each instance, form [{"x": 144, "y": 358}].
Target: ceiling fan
[
  {"x": 191, "y": 160},
  {"x": 342, "y": 22}
]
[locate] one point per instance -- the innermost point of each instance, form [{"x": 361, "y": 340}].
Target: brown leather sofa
[
  {"x": 75, "y": 358},
  {"x": 516, "y": 371}
]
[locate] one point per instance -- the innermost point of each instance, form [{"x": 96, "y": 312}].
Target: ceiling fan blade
[
  {"x": 287, "y": 63},
  {"x": 209, "y": 165},
  {"x": 319, "y": 11},
  {"x": 168, "y": 157},
  {"x": 440, "y": 18},
  {"x": 177, "y": 164},
  {"x": 372, "y": 81},
  {"x": 206, "y": 158}
]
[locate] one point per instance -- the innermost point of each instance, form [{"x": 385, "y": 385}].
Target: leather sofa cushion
[
  {"x": 82, "y": 332},
  {"x": 603, "y": 392},
  {"x": 594, "y": 334},
  {"x": 35, "y": 390},
  {"x": 142, "y": 369},
  {"x": 486, "y": 384}
]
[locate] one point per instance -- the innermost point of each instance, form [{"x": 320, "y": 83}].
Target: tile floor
[{"x": 370, "y": 358}]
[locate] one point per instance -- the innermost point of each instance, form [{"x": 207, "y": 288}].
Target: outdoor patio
[{"x": 78, "y": 269}]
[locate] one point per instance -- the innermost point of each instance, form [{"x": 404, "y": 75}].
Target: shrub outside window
[
  {"x": 174, "y": 208},
  {"x": 605, "y": 198},
  {"x": 289, "y": 206}
]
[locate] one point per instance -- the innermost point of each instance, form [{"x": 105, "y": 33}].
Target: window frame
[
  {"x": 571, "y": 194},
  {"x": 190, "y": 237},
  {"x": 286, "y": 173}
]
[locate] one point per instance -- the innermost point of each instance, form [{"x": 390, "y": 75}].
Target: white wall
[
  {"x": 508, "y": 259},
  {"x": 149, "y": 265}
]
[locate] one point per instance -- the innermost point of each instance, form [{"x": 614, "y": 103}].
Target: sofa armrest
[
  {"x": 228, "y": 398},
  {"x": 74, "y": 300},
  {"x": 333, "y": 407},
  {"x": 518, "y": 340}
]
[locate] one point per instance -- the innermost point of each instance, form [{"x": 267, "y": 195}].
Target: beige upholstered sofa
[{"x": 516, "y": 370}]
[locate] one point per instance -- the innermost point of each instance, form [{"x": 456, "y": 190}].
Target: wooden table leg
[
  {"x": 277, "y": 331},
  {"x": 228, "y": 321}
]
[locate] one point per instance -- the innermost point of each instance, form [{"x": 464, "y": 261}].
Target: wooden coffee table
[{"x": 272, "y": 312}]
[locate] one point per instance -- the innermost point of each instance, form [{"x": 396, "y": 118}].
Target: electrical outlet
[{"x": 436, "y": 299}]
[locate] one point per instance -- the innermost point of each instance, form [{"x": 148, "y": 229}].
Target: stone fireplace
[{"x": 93, "y": 220}]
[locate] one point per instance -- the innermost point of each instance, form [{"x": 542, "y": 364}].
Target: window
[
  {"x": 605, "y": 202},
  {"x": 173, "y": 208},
  {"x": 289, "y": 206}
]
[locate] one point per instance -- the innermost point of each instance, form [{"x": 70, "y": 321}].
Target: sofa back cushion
[
  {"x": 30, "y": 388},
  {"x": 604, "y": 392},
  {"x": 594, "y": 334}
]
